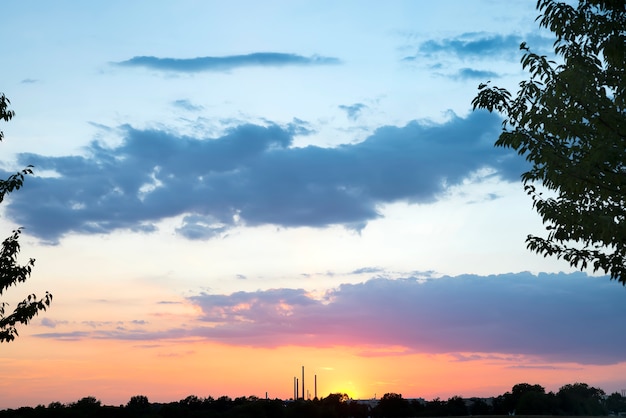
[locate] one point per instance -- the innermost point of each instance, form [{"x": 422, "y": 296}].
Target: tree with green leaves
[
  {"x": 11, "y": 272},
  {"x": 568, "y": 120},
  {"x": 392, "y": 405}
]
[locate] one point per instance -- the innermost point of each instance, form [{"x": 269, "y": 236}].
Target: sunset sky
[{"x": 226, "y": 191}]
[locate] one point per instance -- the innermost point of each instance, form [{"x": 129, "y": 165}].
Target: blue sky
[{"x": 230, "y": 172}]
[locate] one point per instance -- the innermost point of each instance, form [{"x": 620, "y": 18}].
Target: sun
[{"x": 347, "y": 388}]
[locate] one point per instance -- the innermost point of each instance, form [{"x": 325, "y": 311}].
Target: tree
[
  {"x": 392, "y": 405},
  {"x": 530, "y": 399},
  {"x": 12, "y": 273},
  {"x": 138, "y": 402},
  {"x": 335, "y": 405},
  {"x": 456, "y": 406},
  {"x": 435, "y": 408},
  {"x": 87, "y": 406},
  {"x": 581, "y": 399},
  {"x": 480, "y": 407},
  {"x": 615, "y": 403},
  {"x": 535, "y": 402},
  {"x": 568, "y": 120}
]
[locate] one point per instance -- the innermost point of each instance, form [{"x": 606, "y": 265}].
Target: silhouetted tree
[
  {"x": 455, "y": 406},
  {"x": 480, "y": 407},
  {"x": 418, "y": 407},
  {"x": 55, "y": 410},
  {"x": 12, "y": 273},
  {"x": 535, "y": 403},
  {"x": 580, "y": 399},
  {"x": 569, "y": 121},
  {"x": 302, "y": 409},
  {"x": 222, "y": 403},
  {"x": 529, "y": 399},
  {"x": 435, "y": 408},
  {"x": 358, "y": 410},
  {"x": 392, "y": 405},
  {"x": 334, "y": 405},
  {"x": 138, "y": 406},
  {"x": 252, "y": 406},
  {"x": 615, "y": 403},
  {"x": 574, "y": 400},
  {"x": 88, "y": 406},
  {"x": 524, "y": 398}
]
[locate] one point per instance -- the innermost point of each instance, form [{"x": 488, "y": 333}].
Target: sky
[{"x": 226, "y": 192}]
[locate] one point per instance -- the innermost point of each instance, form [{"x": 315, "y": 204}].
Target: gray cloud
[
  {"x": 471, "y": 73},
  {"x": 472, "y": 44},
  {"x": 187, "y": 105},
  {"x": 475, "y": 47},
  {"x": 51, "y": 323},
  {"x": 66, "y": 336},
  {"x": 367, "y": 270},
  {"x": 199, "y": 227},
  {"x": 481, "y": 45},
  {"x": 353, "y": 111},
  {"x": 551, "y": 317},
  {"x": 555, "y": 317},
  {"x": 226, "y": 63},
  {"x": 252, "y": 176}
]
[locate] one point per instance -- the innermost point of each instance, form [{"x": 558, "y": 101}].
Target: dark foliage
[
  {"x": 569, "y": 122},
  {"x": 578, "y": 399},
  {"x": 11, "y": 272}
]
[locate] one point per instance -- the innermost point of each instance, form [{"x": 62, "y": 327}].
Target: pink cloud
[{"x": 556, "y": 317}]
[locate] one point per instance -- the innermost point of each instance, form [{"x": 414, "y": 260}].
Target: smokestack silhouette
[
  {"x": 315, "y": 387},
  {"x": 303, "y": 383}
]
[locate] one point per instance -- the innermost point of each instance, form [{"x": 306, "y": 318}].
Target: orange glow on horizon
[{"x": 42, "y": 371}]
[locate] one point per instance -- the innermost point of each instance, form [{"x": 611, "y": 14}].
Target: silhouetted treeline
[{"x": 577, "y": 399}]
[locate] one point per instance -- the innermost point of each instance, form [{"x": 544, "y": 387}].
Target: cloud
[
  {"x": 353, "y": 111},
  {"x": 555, "y": 317},
  {"x": 51, "y": 323},
  {"x": 552, "y": 318},
  {"x": 461, "y": 74},
  {"x": 187, "y": 105},
  {"x": 479, "y": 48},
  {"x": 101, "y": 324},
  {"x": 29, "y": 81},
  {"x": 226, "y": 63},
  {"x": 481, "y": 45},
  {"x": 470, "y": 73},
  {"x": 472, "y": 44},
  {"x": 198, "y": 227},
  {"x": 541, "y": 367},
  {"x": 367, "y": 270},
  {"x": 66, "y": 336},
  {"x": 251, "y": 176}
]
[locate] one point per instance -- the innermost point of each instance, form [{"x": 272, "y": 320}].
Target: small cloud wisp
[{"x": 226, "y": 63}]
